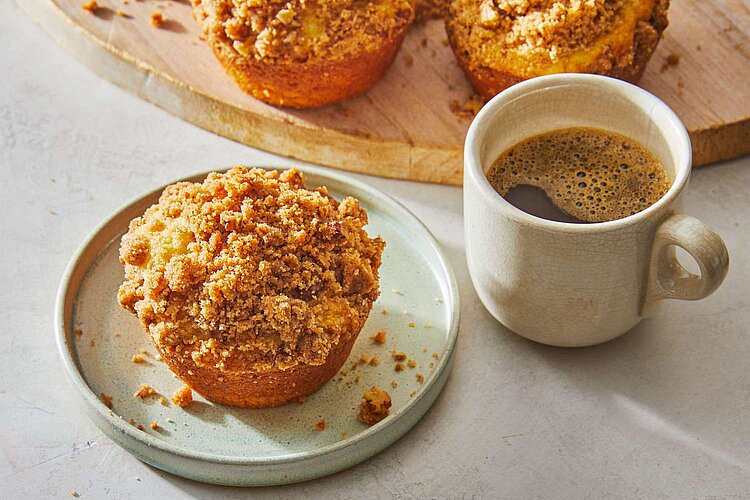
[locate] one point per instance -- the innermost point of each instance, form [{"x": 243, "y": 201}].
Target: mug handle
[{"x": 668, "y": 279}]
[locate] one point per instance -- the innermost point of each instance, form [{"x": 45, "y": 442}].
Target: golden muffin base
[
  {"x": 249, "y": 389},
  {"x": 625, "y": 61},
  {"x": 309, "y": 84}
]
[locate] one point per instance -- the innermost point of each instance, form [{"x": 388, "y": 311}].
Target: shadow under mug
[{"x": 569, "y": 284}]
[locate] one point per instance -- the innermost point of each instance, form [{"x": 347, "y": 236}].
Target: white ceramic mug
[{"x": 581, "y": 284}]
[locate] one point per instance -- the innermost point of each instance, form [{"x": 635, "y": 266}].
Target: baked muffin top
[
  {"x": 249, "y": 270},
  {"x": 532, "y": 37},
  {"x": 286, "y": 31}
]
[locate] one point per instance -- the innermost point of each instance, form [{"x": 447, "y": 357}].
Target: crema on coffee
[{"x": 592, "y": 175}]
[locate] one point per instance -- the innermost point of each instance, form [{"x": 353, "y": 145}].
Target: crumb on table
[
  {"x": 183, "y": 396},
  {"x": 90, "y": 6},
  {"x": 671, "y": 60},
  {"x": 145, "y": 391},
  {"x": 469, "y": 109},
  {"x": 157, "y": 19},
  {"x": 375, "y": 405}
]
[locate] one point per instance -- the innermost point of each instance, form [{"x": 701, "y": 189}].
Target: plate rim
[{"x": 95, "y": 404}]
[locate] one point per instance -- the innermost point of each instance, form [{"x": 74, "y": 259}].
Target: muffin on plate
[
  {"x": 302, "y": 53},
  {"x": 501, "y": 42},
  {"x": 251, "y": 287}
]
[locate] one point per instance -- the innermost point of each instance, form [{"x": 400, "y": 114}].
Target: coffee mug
[{"x": 569, "y": 284}]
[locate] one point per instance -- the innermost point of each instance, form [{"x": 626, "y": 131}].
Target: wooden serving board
[{"x": 404, "y": 127}]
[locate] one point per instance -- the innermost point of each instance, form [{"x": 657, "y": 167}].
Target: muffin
[
  {"x": 302, "y": 53},
  {"x": 251, "y": 287},
  {"x": 501, "y": 42}
]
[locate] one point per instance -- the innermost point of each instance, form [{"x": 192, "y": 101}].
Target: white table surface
[{"x": 662, "y": 412}]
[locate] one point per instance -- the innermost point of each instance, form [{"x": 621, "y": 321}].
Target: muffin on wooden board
[
  {"x": 252, "y": 288},
  {"x": 501, "y": 42},
  {"x": 302, "y": 53}
]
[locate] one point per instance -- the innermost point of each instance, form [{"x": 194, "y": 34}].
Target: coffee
[{"x": 588, "y": 174}]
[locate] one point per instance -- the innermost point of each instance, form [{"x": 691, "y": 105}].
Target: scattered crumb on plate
[
  {"x": 183, "y": 396},
  {"x": 375, "y": 405}
]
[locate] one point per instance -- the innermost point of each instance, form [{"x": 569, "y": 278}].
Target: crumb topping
[
  {"x": 545, "y": 33},
  {"x": 250, "y": 270},
  {"x": 302, "y": 30}
]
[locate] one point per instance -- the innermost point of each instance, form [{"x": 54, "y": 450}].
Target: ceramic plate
[{"x": 418, "y": 308}]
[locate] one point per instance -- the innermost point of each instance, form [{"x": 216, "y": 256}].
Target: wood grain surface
[{"x": 404, "y": 127}]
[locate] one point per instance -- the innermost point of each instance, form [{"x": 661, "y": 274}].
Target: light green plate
[{"x": 418, "y": 307}]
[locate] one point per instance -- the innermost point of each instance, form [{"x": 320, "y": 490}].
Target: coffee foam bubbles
[{"x": 591, "y": 174}]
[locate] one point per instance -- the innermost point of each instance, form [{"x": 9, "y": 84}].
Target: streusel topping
[
  {"x": 302, "y": 30},
  {"x": 250, "y": 269}
]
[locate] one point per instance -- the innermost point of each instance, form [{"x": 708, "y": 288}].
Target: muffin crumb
[
  {"x": 320, "y": 426},
  {"x": 379, "y": 337},
  {"x": 374, "y": 361},
  {"x": 90, "y": 6},
  {"x": 394, "y": 384},
  {"x": 399, "y": 367},
  {"x": 157, "y": 19},
  {"x": 420, "y": 378},
  {"x": 154, "y": 425},
  {"x": 145, "y": 391},
  {"x": 375, "y": 406},
  {"x": 411, "y": 363},
  {"x": 78, "y": 333},
  {"x": 139, "y": 427},
  {"x": 138, "y": 359},
  {"x": 398, "y": 356},
  {"x": 183, "y": 396},
  {"x": 74, "y": 493},
  {"x": 671, "y": 60},
  {"x": 364, "y": 359},
  {"x": 106, "y": 399}
]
